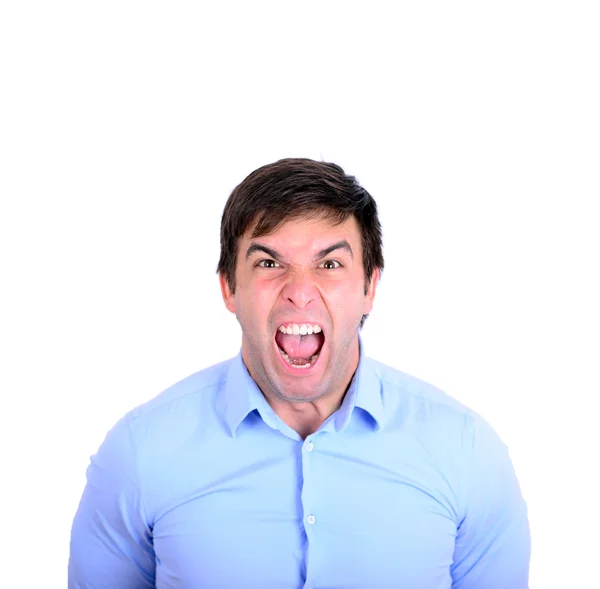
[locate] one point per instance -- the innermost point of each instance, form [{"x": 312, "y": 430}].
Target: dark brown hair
[{"x": 296, "y": 188}]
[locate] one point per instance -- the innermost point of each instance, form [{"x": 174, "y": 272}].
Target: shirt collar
[
  {"x": 241, "y": 396},
  {"x": 364, "y": 392}
]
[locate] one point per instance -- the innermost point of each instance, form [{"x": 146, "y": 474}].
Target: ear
[
  {"x": 228, "y": 296},
  {"x": 370, "y": 295}
]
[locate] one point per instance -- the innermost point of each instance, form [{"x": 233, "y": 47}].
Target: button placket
[
  {"x": 309, "y": 495},
  {"x": 308, "y": 446}
]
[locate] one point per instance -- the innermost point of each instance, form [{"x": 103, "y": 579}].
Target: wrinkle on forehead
[{"x": 315, "y": 239}]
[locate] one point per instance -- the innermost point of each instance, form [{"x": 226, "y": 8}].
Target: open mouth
[{"x": 300, "y": 343}]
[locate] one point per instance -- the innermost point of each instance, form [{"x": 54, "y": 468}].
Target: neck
[
  {"x": 306, "y": 413},
  {"x": 305, "y": 418}
]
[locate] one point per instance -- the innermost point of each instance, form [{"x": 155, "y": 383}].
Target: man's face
[{"x": 308, "y": 273}]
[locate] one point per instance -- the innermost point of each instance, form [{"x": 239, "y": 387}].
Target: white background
[{"x": 125, "y": 126}]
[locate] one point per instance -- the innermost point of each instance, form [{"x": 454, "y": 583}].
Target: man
[{"x": 301, "y": 463}]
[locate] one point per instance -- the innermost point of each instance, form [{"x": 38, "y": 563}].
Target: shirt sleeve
[
  {"x": 111, "y": 541},
  {"x": 493, "y": 545}
]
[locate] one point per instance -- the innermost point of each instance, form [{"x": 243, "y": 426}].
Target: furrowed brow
[
  {"x": 343, "y": 244},
  {"x": 257, "y": 247}
]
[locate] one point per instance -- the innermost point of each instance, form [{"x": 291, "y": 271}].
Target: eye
[
  {"x": 330, "y": 265},
  {"x": 268, "y": 264}
]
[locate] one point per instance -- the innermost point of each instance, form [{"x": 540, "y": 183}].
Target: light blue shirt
[{"x": 205, "y": 487}]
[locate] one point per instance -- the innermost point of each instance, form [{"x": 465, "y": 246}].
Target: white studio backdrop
[{"x": 124, "y": 127}]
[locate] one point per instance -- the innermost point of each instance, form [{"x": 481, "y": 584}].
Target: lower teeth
[{"x": 293, "y": 362}]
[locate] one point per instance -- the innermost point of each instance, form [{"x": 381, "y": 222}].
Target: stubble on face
[{"x": 300, "y": 287}]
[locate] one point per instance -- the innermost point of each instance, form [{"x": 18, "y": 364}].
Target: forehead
[{"x": 311, "y": 234}]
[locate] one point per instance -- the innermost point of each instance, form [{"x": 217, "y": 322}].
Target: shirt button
[
  {"x": 311, "y": 519},
  {"x": 309, "y": 447}
]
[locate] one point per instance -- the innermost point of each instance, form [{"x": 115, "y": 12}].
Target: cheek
[
  {"x": 255, "y": 303},
  {"x": 345, "y": 299},
  {"x": 350, "y": 287}
]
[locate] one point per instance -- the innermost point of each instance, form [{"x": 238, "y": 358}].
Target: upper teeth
[{"x": 300, "y": 329}]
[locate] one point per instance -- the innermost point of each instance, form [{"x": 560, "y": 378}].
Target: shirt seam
[
  {"x": 136, "y": 474},
  {"x": 469, "y": 451},
  {"x": 462, "y": 410},
  {"x": 145, "y": 409}
]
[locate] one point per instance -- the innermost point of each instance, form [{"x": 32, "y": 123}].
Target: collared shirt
[{"x": 205, "y": 487}]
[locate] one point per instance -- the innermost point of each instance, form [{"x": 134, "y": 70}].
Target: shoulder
[
  {"x": 414, "y": 406},
  {"x": 447, "y": 430},
  {"x": 185, "y": 407},
  {"x": 421, "y": 399},
  {"x": 185, "y": 392},
  {"x": 427, "y": 412}
]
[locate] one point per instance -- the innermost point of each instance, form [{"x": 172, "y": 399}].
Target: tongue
[{"x": 299, "y": 346}]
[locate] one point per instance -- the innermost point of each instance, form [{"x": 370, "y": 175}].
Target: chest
[{"x": 308, "y": 516}]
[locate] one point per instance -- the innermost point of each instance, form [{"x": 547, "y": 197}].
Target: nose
[{"x": 300, "y": 290}]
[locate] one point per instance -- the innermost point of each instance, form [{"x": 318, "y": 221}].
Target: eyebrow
[
  {"x": 343, "y": 244},
  {"x": 259, "y": 247}
]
